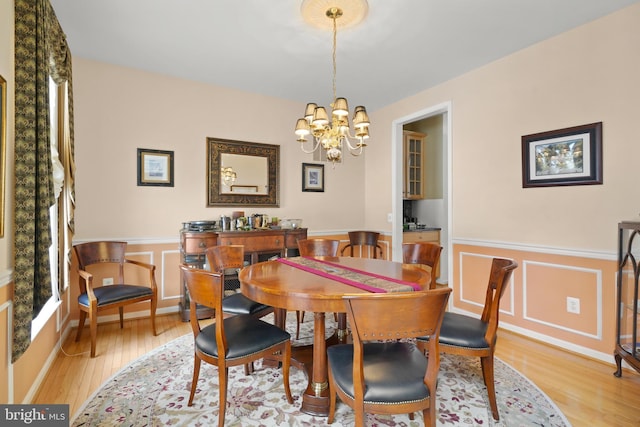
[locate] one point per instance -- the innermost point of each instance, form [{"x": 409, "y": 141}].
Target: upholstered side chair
[
  {"x": 230, "y": 341},
  {"x": 383, "y": 371},
  {"x": 95, "y": 297},
  {"x": 473, "y": 337}
]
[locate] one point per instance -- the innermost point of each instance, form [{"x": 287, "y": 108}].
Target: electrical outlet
[
  {"x": 107, "y": 281},
  {"x": 573, "y": 305},
  {"x": 389, "y": 217}
]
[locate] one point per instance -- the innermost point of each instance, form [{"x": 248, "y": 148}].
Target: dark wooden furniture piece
[
  {"x": 314, "y": 248},
  {"x": 473, "y": 337},
  {"x": 427, "y": 235},
  {"x": 390, "y": 376},
  {"x": 627, "y": 320},
  {"x": 231, "y": 341},
  {"x": 289, "y": 288},
  {"x": 94, "y": 297},
  {"x": 259, "y": 245},
  {"x": 230, "y": 258},
  {"x": 423, "y": 253},
  {"x": 318, "y": 247},
  {"x": 366, "y": 242}
]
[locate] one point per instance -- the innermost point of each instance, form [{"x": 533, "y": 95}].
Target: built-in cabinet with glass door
[
  {"x": 414, "y": 165},
  {"x": 628, "y": 322}
]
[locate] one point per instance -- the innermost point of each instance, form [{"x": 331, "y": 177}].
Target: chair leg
[
  {"x": 487, "y": 374},
  {"x": 223, "y": 375},
  {"x": 286, "y": 364},
  {"x": 81, "y": 320},
  {"x": 194, "y": 381},
  {"x": 154, "y": 305},
  {"x": 93, "y": 326},
  {"x": 429, "y": 416},
  {"x": 248, "y": 368},
  {"x": 360, "y": 415},
  {"x": 121, "y": 312},
  {"x": 332, "y": 400}
]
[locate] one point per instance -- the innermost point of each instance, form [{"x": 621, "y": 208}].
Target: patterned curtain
[{"x": 40, "y": 51}]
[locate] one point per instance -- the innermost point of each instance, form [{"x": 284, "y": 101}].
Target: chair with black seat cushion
[
  {"x": 93, "y": 298},
  {"x": 366, "y": 242},
  {"x": 423, "y": 253},
  {"x": 383, "y": 371},
  {"x": 470, "y": 336},
  {"x": 231, "y": 257},
  {"x": 315, "y": 248},
  {"x": 230, "y": 341}
]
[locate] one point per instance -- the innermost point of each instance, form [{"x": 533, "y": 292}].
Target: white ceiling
[{"x": 263, "y": 46}]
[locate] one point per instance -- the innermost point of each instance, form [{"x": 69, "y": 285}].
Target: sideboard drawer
[
  {"x": 255, "y": 243},
  {"x": 198, "y": 242},
  {"x": 421, "y": 236},
  {"x": 293, "y": 236}
]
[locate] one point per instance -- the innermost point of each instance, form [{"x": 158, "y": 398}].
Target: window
[{"x": 59, "y": 268}]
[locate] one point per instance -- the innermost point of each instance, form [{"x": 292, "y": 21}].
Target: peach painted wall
[
  {"x": 535, "y": 303},
  {"x": 586, "y": 75},
  {"x": 119, "y": 110}
]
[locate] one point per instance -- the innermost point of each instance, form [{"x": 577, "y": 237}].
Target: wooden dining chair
[
  {"x": 318, "y": 247},
  {"x": 313, "y": 248},
  {"x": 230, "y": 341},
  {"x": 423, "y": 253},
  {"x": 383, "y": 372},
  {"x": 230, "y": 258},
  {"x": 470, "y": 336},
  {"x": 110, "y": 258},
  {"x": 226, "y": 258},
  {"x": 366, "y": 242}
]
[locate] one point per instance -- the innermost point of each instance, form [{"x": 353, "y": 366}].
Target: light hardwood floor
[{"x": 584, "y": 389}]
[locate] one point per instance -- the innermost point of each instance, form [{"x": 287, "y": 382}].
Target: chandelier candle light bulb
[
  {"x": 228, "y": 175},
  {"x": 334, "y": 135}
]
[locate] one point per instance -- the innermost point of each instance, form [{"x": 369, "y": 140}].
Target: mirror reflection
[{"x": 242, "y": 173}]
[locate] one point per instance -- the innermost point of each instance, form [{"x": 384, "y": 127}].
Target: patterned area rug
[{"x": 154, "y": 390}]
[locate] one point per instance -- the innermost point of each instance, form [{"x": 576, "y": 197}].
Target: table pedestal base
[{"x": 315, "y": 399}]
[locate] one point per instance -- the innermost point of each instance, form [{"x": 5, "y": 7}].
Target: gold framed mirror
[{"x": 242, "y": 173}]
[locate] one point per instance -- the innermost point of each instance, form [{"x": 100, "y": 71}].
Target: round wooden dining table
[{"x": 285, "y": 287}]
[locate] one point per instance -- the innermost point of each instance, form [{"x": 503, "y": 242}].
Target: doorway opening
[{"x": 434, "y": 210}]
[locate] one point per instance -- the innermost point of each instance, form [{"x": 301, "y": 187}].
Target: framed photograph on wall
[
  {"x": 312, "y": 177},
  {"x": 155, "y": 168},
  {"x": 570, "y": 156}
]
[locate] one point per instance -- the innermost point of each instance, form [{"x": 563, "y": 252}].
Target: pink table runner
[{"x": 350, "y": 276}]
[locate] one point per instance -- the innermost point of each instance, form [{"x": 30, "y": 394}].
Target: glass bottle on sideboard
[{"x": 627, "y": 322}]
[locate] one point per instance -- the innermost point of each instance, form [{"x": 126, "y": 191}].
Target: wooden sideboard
[{"x": 259, "y": 245}]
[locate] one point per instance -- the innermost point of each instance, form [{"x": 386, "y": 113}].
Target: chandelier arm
[
  {"x": 316, "y": 144},
  {"x": 348, "y": 138},
  {"x": 356, "y": 152},
  {"x": 358, "y": 146}
]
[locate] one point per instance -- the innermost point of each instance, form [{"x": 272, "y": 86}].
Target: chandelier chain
[{"x": 335, "y": 38}]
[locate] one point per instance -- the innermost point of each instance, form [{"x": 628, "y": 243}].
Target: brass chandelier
[{"x": 334, "y": 135}]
